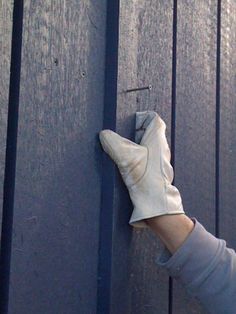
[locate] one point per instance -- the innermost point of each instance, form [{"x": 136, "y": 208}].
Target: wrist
[{"x": 173, "y": 230}]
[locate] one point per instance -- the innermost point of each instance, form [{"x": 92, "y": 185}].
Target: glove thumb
[{"x": 130, "y": 157}]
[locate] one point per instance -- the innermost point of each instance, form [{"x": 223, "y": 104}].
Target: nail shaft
[{"x": 139, "y": 88}]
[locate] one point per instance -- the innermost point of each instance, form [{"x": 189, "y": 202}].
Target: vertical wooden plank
[
  {"x": 195, "y": 120},
  {"x": 108, "y": 171},
  {"x": 145, "y": 57},
  {"x": 227, "y": 148},
  {"x": 6, "y": 8},
  {"x": 58, "y": 186},
  {"x": 11, "y": 148}
]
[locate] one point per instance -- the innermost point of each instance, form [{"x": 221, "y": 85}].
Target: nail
[{"x": 139, "y": 88}]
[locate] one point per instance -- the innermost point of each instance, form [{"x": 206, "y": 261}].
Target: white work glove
[{"x": 145, "y": 168}]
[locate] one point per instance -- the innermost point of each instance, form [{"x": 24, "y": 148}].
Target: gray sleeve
[{"x": 206, "y": 268}]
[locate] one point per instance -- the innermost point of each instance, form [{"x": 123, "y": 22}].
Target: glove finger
[
  {"x": 154, "y": 138},
  {"x": 154, "y": 133},
  {"x": 143, "y": 119}
]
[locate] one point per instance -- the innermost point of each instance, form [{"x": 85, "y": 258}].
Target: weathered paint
[
  {"x": 73, "y": 250},
  {"x": 5, "y": 55},
  {"x": 195, "y": 120},
  {"x": 58, "y": 170},
  {"x": 138, "y": 285},
  {"x": 10, "y": 156},
  {"x": 227, "y": 125}
]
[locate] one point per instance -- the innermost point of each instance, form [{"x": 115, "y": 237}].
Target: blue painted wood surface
[
  {"x": 58, "y": 170},
  {"x": 227, "y": 125},
  {"x": 10, "y": 156},
  {"x": 73, "y": 250},
  {"x": 138, "y": 285},
  {"x": 5, "y": 59},
  {"x": 195, "y": 120}
]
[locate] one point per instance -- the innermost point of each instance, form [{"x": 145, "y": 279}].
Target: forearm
[
  {"x": 171, "y": 229},
  {"x": 203, "y": 264}
]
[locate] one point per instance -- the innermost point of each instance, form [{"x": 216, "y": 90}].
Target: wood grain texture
[
  {"x": 58, "y": 174},
  {"x": 6, "y": 9},
  {"x": 195, "y": 120},
  {"x": 54, "y": 266},
  {"x": 227, "y": 168},
  {"x": 145, "y": 57}
]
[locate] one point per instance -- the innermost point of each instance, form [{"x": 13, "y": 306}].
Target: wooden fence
[{"x": 66, "y": 245}]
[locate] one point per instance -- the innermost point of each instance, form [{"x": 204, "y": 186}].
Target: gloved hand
[{"x": 145, "y": 168}]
